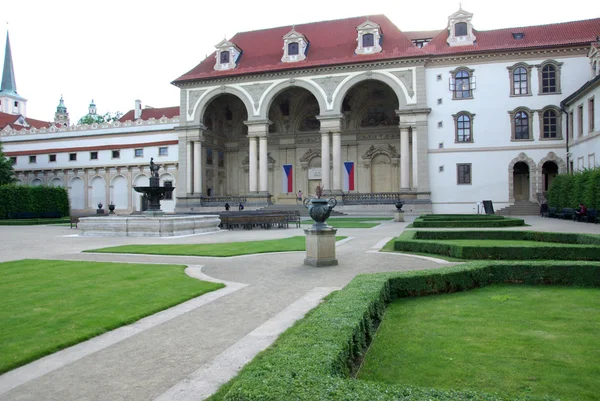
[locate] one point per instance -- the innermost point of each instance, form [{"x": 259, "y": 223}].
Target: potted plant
[{"x": 319, "y": 208}]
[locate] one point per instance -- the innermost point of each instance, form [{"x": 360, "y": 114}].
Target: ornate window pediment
[
  {"x": 369, "y": 38},
  {"x": 594, "y": 56},
  {"x": 227, "y": 55},
  {"x": 460, "y": 29},
  {"x": 295, "y": 46}
]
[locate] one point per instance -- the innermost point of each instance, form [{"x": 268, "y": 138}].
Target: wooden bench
[
  {"x": 74, "y": 220},
  {"x": 590, "y": 217},
  {"x": 567, "y": 213}
]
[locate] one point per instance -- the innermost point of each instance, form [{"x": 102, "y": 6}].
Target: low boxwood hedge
[
  {"x": 461, "y": 217},
  {"x": 425, "y": 242},
  {"x": 314, "y": 359},
  {"x": 472, "y": 222},
  {"x": 33, "y": 222}
]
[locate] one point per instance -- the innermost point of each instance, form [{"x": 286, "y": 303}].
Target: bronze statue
[{"x": 154, "y": 168}]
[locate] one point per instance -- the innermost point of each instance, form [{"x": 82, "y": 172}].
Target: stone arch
[
  {"x": 55, "y": 182},
  {"x": 19, "y": 182},
  {"x": 76, "y": 193},
  {"x": 97, "y": 186},
  {"x": 140, "y": 180},
  {"x": 208, "y": 97},
  {"x": 118, "y": 192},
  {"x": 402, "y": 93},
  {"x": 36, "y": 182},
  {"x": 275, "y": 90},
  {"x": 546, "y": 181},
  {"x": 522, "y": 157}
]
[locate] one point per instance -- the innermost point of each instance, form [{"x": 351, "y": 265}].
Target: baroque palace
[{"x": 441, "y": 119}]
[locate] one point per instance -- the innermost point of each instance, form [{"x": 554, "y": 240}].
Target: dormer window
[
  {"x": 369, "y": 38},
  {"x": 227, "y": 55},
  {"x": 295, "y": 46},
  {"x": 460, "y": 29}
]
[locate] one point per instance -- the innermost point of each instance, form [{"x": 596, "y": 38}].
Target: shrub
[
  {"x": 474, "y": 222},
  {"x": 314, "y": 359},
  {"x": 25, "y": 199},
  {"x": 568, "y": 190}
]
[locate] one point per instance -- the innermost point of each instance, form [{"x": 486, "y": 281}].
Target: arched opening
[
  {"x": 549, "y": 171},
  {"x": 371, "y": 104},
  {"x": 521, "y": 181},
  {"x": 36, "y": 182},
  {"x": 225, "y": 116},
  {"x": 55, "y": 182},
  {"x": 138, "y": 202},
  {"x": 97, "y": 192},
  {"x": 76, "y": 194},
  {"x": 294, "y": 110},
  {"x": 118, "y": 196},
  {"x": 381, "y": 173}
]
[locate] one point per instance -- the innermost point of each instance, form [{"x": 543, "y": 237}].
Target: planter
[
  {"x": 111, "y": 208},
  {"x": 319, "y": 210}
]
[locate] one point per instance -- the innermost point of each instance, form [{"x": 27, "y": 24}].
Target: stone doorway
[
  {"x": 549, "y": 171},
  {"x": 521, "y": 182}
]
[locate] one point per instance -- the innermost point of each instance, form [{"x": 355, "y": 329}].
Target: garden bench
[
  {"x": 74, "y": 220},
  {"x": 551, "y": 212},
  {"x": 567, "y": 213},
  {"x": 591, "y": 216}
]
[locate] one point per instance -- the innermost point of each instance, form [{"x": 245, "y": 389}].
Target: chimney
[{"x": 137, "y": 112}]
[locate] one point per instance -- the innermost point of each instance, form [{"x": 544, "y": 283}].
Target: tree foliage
[
  {"x": 569, "y": 190},
  {"x": 95, "y": 118},
  {"x": 7, "y": 174}
]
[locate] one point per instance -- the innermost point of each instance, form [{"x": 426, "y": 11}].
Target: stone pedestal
[
  {"x": 398, "y": 216},
  {"x": 320, "y": 247}
]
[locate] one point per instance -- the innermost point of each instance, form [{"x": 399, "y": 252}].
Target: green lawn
[
  {"x": 352, "y": 222},
  {"x": 48, "y": 305},
  {"x": 223, "y": 249},
  {"x": 513, "y": 340}
]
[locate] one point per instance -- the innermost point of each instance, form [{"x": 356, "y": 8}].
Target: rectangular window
[
  {"x": 580, "y": 163},
  {"x": 51, "y": 158},
  {"x": 72, "y": 157},
  {"x": 13, "y": 160},
  {"x": 32, "y": 159},
  {"x": 293, "y": 49},
  {"x": 93, "y": 155},
  {"x": 592, "y": 160},
  {"x": 463, "y": 172},
  {"x": 221, "y": 159},
  {"x": 225, "y": 57},
  {"x": 116, "y": 154},
  {"x": 368, "y": 40},
  {"x": 580, "y": 121},
  {"x": 570, "y": 122},
  {"x": 591, "y": 111},
  {"x": 139, "y": 152},
  {"x": 168, "y": 194},
  {"x": 163, "y": 151}
]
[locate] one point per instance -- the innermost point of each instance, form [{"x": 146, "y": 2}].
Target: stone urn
[
  {"x": 99, "y": 205},
  {"x": 399, "y": 205},
  {"x": 319, "y": 210},
  {"x": 111, "y": 208},
  {"x": 399, "y": 213}
]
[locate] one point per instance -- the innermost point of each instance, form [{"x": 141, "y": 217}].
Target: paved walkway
[{"x": 158, "y": 362}]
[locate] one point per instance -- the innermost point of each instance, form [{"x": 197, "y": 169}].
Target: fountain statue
[{"x": 154, "y": 193}]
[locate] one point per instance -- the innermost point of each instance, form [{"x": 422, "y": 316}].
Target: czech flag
[
  {"x": 287, "y": 178},
  {"x": 348, "y": 176}
]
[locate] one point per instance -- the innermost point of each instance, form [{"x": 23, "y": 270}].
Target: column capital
[
  {"x": 331, "y": 123},
  {"x": 258, "y": 127},
  {"x": 410, "y": 117}
]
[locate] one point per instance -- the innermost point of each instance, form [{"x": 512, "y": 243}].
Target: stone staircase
[
  {"x": 303, "y": 211},
  {"x": 520, "y": 208}
]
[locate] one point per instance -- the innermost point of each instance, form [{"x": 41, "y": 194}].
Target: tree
[
  {"x": 7, "y": 174},
  {"x": 95, "y": 118}
]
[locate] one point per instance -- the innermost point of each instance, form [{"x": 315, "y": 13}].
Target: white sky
[{"x": 119, "y": 51}]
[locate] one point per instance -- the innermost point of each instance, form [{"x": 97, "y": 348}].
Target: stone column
[
  {"x": 404, "y": 160},
  {"x": 331, "y": 124},
  {"x": 252, "y": 181},
  {"x": 415, "y": 159},
  {"x": 264, "y": 163},
  {"x": 325, "y": 163},
  {"x": 197, "y": 190},
  {"x": 189, "y": 183},
  {"x": 336, "y": 145}
]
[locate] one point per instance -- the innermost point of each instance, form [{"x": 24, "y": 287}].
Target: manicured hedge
[
  {"x": 473, "y": 222},
  {"x": 461, "y": 217},
  {"x": 569, "y": 190},
  {"x": 20, "y": 198},
  {"x": 425, "y": 242},
  {"x": 315, "y": 358},
  {"x": 33, "y": 222}
]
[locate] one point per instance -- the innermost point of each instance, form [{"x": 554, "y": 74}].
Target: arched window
[
  {"x": 549, "y": 84},
  {"x": 460, "y": 29},
  {"x": 520, "y": 81},
  {"x": 293, "y": 49},
  {"x": 462, "y": 85},
  {"x": 521, "y": 125},
  {"x": 550, "y": 129},
  {"x": 464, "y": 127},
  {"x": 368, "y": 40}
]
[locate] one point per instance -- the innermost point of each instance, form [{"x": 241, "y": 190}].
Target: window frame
[
  {"x": 13, "y": 160},
  {"x": 570, "y": 123},
  {"x": 511, "y": 75},
  {"x": 73, "y": 157},
  {"x": 580, "y": 120},
  {"x": 591, "y": 115},
  {"x": 460, "y": 177},
  {"x": 169, "y": 194},
  {"x": 166, "y": 153},
  {"x": 372, "y": 39},
  {"x": 115, "y": 154},
  {"x": 461, "y": 23},
  {"x": 513, "y": 125},
  {"x": 222, "y": 53},
  {"x": 470, "y": 79},
  {"x": 296, "y": 47},
  {"x": 558, "y": 123},
  {"x": 92, "y": 154},
  {"x": 50, "y": 157},
  {"x": 557, "y": 78},
  {"x": 457, "y": 129},
  {"x": 135, "y": 152}
]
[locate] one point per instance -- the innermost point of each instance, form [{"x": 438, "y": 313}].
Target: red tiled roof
[
  {"x": 10, "y": 119},
  {"x": 330, "y": 43},
  {"x": 334, "y": 42},
  {"x": 561, "y": 34},
  {"x": 149, "y": 113}
]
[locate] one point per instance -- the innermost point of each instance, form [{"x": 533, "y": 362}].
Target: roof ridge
[{"x": 538, "y": 26}]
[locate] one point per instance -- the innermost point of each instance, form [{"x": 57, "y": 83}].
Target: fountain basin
[{"x": 146, "y": 226}]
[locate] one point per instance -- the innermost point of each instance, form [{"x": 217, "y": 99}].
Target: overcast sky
[{"x": 117, "y": 51}]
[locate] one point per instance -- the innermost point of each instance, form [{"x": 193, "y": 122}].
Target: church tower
[
  {"x": 61, "y": 117},
  {"x": 10, "y": 101}
]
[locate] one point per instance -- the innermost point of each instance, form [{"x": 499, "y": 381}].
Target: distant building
[{"x": 442, "y": 119}]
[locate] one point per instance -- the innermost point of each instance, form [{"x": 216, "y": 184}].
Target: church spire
[{"x": 9, "y": 85}]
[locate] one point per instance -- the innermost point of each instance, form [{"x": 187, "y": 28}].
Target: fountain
[{"x": 153, "y": 222}]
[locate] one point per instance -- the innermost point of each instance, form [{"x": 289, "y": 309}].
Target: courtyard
[{"x": 188, "y": 351}]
